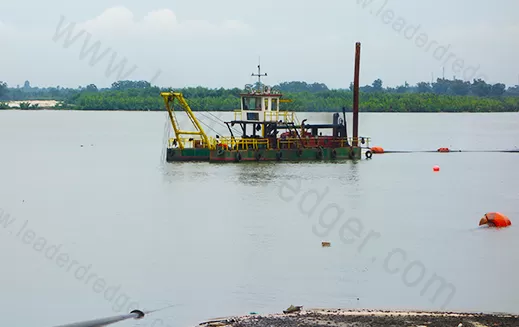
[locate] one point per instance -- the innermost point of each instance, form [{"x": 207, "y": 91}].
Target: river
[{"x": 93, "y": 221}]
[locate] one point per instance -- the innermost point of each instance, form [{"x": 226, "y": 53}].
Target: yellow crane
[{"x": 169, "y": 99}]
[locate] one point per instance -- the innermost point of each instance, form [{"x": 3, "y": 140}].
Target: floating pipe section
[{"x": 135, "y": 314}]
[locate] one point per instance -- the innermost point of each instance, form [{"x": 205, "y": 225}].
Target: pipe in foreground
[{"x": 135, "y": 314}]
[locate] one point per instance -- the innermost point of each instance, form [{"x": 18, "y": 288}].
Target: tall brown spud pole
[{"x": 356, "y": 96}]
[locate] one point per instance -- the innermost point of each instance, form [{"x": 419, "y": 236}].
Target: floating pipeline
[
  {"x": 135, "y": 314},
  {"x": 102, "y": 322},
  {"x": 380, "y": 150}
]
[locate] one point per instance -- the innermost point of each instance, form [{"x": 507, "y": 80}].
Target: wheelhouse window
[
  {"x": 275, "y": 104},
  {"x": 251, "y": 103}
]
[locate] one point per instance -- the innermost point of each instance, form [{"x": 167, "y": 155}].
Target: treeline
[{"x": 441, "y": 96}]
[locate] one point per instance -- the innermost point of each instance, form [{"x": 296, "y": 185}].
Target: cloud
[
  {"x": 118, "y": 45},
  {"x": 120, "y": 22}
]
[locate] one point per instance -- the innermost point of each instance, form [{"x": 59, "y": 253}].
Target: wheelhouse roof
[{"x": 261, "y": 95}]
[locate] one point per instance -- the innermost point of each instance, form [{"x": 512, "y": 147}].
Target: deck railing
[
  {"x": 263, "y": 143},
  {"x": 294, "y": 142},
  {"x": 284, "y": 116},
  {"x": 238, "y": 143},
  {"x": 192, "y": 142},
  {"x": 270, "y": 116}
]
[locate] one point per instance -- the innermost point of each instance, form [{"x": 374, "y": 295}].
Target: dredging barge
[{"x": 261, "y": 123}]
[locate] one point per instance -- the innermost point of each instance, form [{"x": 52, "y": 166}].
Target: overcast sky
[{"x": 217, "y": 43}]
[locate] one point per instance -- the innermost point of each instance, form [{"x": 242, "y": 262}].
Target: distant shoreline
[
  {"x": 54, "y": 105},
  {"x": 441, "y": 96},
  {"x": 230, "y": 111}
]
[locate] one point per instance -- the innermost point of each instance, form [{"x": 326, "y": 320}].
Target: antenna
[{"x": 259, "y": 74}]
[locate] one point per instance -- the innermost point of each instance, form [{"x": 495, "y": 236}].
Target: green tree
[
  {"x": 459, "y": 87},
  {"x": 91, "y": 88},
  {"x": 377, "y": 85},
  {"x": 497, "y": 89},
  {"x": 441, "y": 86},
  {"x": 3, "y": 89},
  {"x": 126, "y": 85},
  {"x": 402, "y": 88},
  {"x": 512, "y": 91},
  {"x": 424, "y": 87},
  {"x": 480, "y": 88}
]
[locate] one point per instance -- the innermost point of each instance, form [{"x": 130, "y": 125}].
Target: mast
[
  {"x": 356, "y": 96},
  {"x": 259, "y": 76}
]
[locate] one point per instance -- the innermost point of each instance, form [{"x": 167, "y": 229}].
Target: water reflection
[
  {"x": 263, "y": 173},
  {"x": 269, "y": 172},
  {"x": 351, "y": 173},
  {"x": 185, "y": 171}
]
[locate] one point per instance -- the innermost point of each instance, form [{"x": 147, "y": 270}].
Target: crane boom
[{"x": 169, "y": 98}]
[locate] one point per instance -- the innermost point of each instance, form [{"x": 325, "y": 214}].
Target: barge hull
[
  {"x": 176, "y": 155},
  {"x": 305, "y": 154}
]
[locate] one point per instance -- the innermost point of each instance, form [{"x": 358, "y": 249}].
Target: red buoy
[
  {"x": 436, "y": 168},
  {"x": 495, "y": 219}
]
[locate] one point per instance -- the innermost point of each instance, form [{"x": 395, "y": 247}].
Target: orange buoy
[
  {"x": 495, "y": 219},
  {"x": 443, "y": 150},
  {"x": 377, "y": 149},
  {"x": 436, "y": 168}
]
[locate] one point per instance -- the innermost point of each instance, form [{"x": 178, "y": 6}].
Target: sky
[{"x": 219, "y": 43}]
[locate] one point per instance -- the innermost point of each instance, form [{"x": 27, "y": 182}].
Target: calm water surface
[{"x": 229, "y": 239}]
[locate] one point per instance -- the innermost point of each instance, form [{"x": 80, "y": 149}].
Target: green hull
[
  {"x": 304, "y": 154},
  {"x": 174, "y": 155}
]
